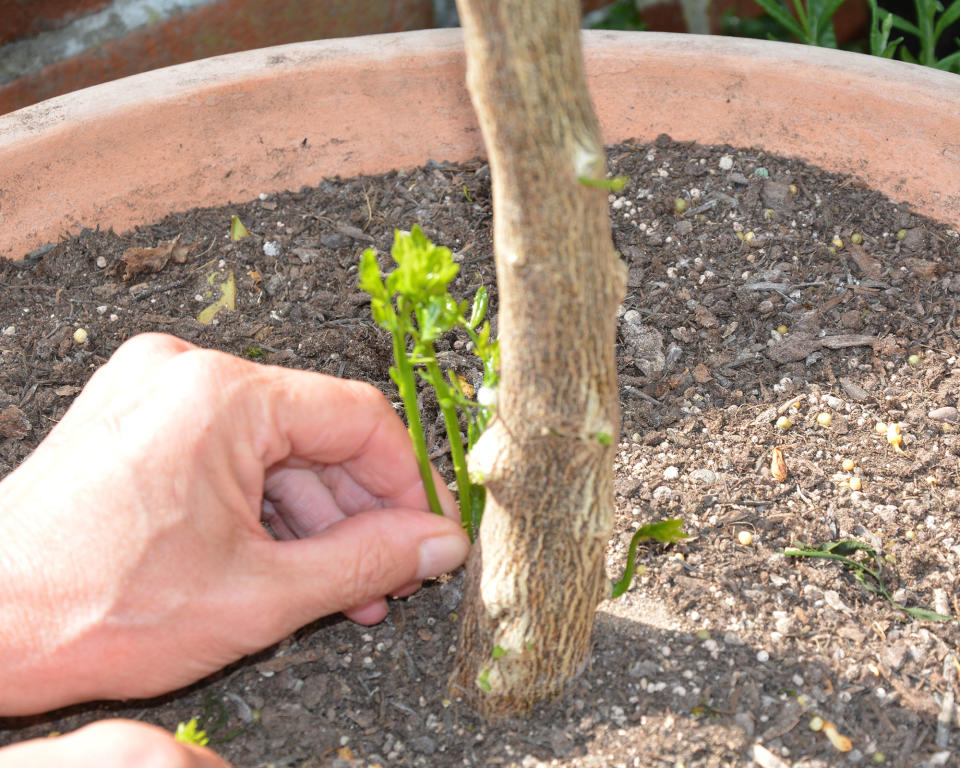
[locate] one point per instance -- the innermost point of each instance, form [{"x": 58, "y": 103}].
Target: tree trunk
[{"x": 536, "y": 573}]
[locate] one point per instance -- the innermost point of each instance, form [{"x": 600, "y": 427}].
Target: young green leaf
[
  {"x": 237, "y": 230},
  {"x": 611, "y": 185},
  {"x": 190, "y": 733},
  {"x": 665, "y": 531},
  {"x": 479, "y": 309},
  {"x": 423, "y": 269},
  {"x": 483, "y": 681}
]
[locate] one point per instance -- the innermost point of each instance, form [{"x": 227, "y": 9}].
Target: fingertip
[
  {"x": 351, "y": 565},
  {"x": 442, "y": 554},
  {"x": 407, "y": 589}
]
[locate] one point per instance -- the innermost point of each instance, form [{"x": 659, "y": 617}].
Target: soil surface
[{"x": 740, "y": 310}]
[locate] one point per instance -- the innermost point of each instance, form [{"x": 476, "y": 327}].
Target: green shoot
[
  {"x": 881, "y": 24},
  {"x": 414, "y": 305},
  {"x": 190, "y": 733},
  {"x": 615, "y": 184},
  {"x": 813, "y": 24},
  {"x": 483, "y": 680},
  {"x": 846, "y": 552},
  {"x": 666, "y": 531}
]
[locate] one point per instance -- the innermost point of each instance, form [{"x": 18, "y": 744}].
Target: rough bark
[{"x": 536, "y": 573}]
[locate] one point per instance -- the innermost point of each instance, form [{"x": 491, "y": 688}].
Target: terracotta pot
[{"x": 232, "y": 127}]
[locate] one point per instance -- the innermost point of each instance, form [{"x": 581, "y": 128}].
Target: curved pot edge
[{"x": 222, "y": 129}]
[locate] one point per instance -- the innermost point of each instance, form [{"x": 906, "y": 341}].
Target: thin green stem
[
  {"x": 619, "y": 587},
  {"x": 451, "y": 420},
  {"x": 407, "y": 384}
]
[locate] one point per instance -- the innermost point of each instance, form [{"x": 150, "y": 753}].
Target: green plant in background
[
  {"x": 881, "y": 24},
  {"x": 622, "y": 14},
  {"x": 857, "y": 557},
  {"x": 415, "y": 306},
  {"x": 813, "y": 24},
  {"x": 932, "y": 21}
]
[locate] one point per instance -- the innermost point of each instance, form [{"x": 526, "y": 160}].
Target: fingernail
[{"x": 441, "y": 554}]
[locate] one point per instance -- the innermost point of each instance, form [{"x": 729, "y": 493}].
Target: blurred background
[{"x": 50, "y": 47}]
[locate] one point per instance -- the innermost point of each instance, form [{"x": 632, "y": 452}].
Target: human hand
[
  {"x": 132, "y": 556},
  {"x": 110, "y": 744}
]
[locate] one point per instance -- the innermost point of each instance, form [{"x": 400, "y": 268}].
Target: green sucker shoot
[
  {"x": 190, "y": 733},
  {"x": 413, "y": 303}
]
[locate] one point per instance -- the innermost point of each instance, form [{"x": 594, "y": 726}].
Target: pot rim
[{"x": 228, "y": 128}]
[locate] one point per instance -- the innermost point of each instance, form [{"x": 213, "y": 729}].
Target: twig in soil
[
  {"x": 161, "y": 288},
  {"x": 443, "y": 450},
  {"x": 782, "y": 409},
  {"x": 642, "y": 395},
  {"x": 280, "y": 663},
  {"x": 404, "y": 708},
  {"x": 29, "y": 287},
  {"x": 705, "y": 207}
]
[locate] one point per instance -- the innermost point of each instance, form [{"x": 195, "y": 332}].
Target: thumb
[
  {"x": 360, "y": 559},
  {"x": 117, "y": 743}
]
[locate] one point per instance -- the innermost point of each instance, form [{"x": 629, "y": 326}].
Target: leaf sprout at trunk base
[{"x": 413, "y": 303}]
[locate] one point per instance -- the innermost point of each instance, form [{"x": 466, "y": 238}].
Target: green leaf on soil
[
  {"x": 237, "y": 230},
  {"x": 665, "y": 531},
  {"x": 227, "y": 300},
  {"x": 842, "y": 550}
]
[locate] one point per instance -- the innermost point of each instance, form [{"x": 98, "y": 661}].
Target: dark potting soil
[{"x": 740, "y": 310}]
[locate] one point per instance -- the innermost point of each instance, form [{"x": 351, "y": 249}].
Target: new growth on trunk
[{"x": 536, "y": 572}]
